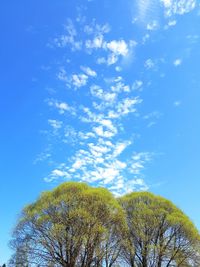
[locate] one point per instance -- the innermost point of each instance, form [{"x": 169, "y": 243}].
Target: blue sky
[{"x": 105, "y": 92}]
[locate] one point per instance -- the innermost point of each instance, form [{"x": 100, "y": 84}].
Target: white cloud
[
  {"x": 96, "y": 29},
  {"x": 143, "y": 9},
  {"x": 108, "y": 124},
  {"x": 106, "y": 133},
  {"x": 98, "y": 92},
  {"x": 177, "y": 103},
  {"x": 62, "y": 107},
  {"x": 146, "y": 11},
  {"x": 98, "y": 32},
  {"x": 115, "y": 49},
  {"x": 150, "y": 124},
  {"x": 69, "y": 38},
  {"x": 143, "y": 156},
  {"x": 96, "y": 138},
  {"x": 118, "y": 47},
  {"x": 70, "y": 135},
  {"x": 137, "y": 85},
  {"x": 86, "y": 135},
  {"x": 193, "y": 38},
  {"x": 88, "y": 29},
  {"x": 91, "y": 116},
  {"x": 120, "y": 87},
  {"x": 139, "y": 183},
  {"x": 79, "y": 80},
  {"x": 78, "y": 164},
  {"x": 172, "y": 23},
  {"x": 112, "y": 59},
  {"x": 120, "y": 147},
  {"x": 55, "y": 124},
  {"x": 62, "y": 75},
  {"x": 118, "y": 186},
  {"x": 70, "y": 28},
  {"x": 152, "y": 118},
  {"x": 124, "y": 107},
  {"x": 122, "y": 186},
  {"x": 152, "y": 26},
  {"x": 149, "y": 64},
  {"x": 177, "y": 62},
  {"x": 145, "y": 38},
  {"x": 96, "y": 43},
  {"x": 101, "y": 60},
  {"x": 152, "y": 115},
  {"x": 89, "y": 71},
  {"x": 99, "y": 148},
  {"x": 56, "y": 174},
  {"x": 138, "y": 161},
  {"x": 108, "y": 175},
  {"x": 167, "y": 3},
  {"x": 178, "y": 6},
  {"x": 46, "y": 155},
  {"x": 136, "y": 167},
  {"x": 99, "y": 163},
  {"x": 118, "y": 68}
]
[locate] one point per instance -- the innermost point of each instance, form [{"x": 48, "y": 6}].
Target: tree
[
  {"x": 73, "y": 225},
  {"x": 77, "y": 225},
  {"x": 159, "y": 234},
  {"x": 19, "y": 258}
]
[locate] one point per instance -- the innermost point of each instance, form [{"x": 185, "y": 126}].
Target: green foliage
[
  {"x": 73, "y": 225},
  {"x": 78, "y": 225},
  {"x": 160, "y": 233}
]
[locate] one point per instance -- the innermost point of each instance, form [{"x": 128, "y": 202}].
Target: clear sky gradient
[{"x": 104, "y": 92}]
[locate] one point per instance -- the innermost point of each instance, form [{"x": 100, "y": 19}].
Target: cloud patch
[{"x": 178, "y": 7}]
